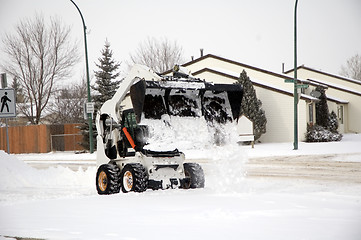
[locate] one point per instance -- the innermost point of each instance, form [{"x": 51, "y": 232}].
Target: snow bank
[
  {"x": 14, "y": 173},
  {"x": 57, "y": 156},
  {"x": 349, "y": 145},
  {"x": 17, "y": 176}
]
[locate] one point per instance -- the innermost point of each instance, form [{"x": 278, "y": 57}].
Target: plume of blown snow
[
  {"x": 226, "y": 169},
  {"x": 199, "y": 139}
]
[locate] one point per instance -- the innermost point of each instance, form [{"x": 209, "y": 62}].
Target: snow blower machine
[{"x": 122, "y": 159}]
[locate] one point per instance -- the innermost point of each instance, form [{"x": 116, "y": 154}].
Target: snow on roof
[
  {"x": 337, "y": 86},
  {"x": 284, "y": 76},
  {"x": 337, "y": 100},
  {"x": 235, "y": 76},
  {"x": 328, "y": 74},
  {"x": 279, "y": 75}
]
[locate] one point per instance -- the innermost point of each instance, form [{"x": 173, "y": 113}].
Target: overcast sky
[{"x": 254, "y": 32}]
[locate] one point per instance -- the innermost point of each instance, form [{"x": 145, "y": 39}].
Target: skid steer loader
[{"x": 122, "y": 159}]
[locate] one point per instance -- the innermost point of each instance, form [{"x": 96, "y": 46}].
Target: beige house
[
  {"x": 277, "y": 96},
  {"x": 345, "y": 92}
]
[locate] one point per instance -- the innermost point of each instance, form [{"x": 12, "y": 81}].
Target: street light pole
[
  {"x": 295, "y": 93},
  {"x": 90, "y": 120}
]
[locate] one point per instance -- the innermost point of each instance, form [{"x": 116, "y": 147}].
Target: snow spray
[{"x": 213, "y": 145}]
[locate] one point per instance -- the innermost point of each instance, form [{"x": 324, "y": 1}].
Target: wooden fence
[{"x": 38, "y": 138}]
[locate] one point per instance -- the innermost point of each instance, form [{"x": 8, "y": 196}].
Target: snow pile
[
  {"x": 16, "y": 175},
  {"x": 188, "y": 133},
  {"x": 183, "y": 133},
  {"x": 199, "y": 140}
]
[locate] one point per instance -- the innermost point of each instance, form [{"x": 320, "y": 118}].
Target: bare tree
[
  {"x": 160, "y": 55},
  {"x": 352, "y": 68},
  {"x": 67, "y": 106},
  {"x": 39, "y": 55}
]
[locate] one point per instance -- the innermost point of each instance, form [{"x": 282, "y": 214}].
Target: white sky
[{"x": 255, "y": 32}]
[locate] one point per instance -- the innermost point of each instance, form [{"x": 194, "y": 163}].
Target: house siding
[{"x": 352, "y": 112}]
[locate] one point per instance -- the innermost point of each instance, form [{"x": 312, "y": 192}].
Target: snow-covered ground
[{"x": 57, "y": 202}]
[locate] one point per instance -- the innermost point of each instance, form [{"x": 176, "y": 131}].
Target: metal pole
[
  {"x": 295, "y": 93},
  {"x": 7, "y": 136},
  {"x": 90, "y": 120},
  {"x": 51, "y": 143}
]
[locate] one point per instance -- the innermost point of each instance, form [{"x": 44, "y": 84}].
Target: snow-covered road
[
  {"x": 194, "y": 214},
  {"x": 269, "y": 192},
  {"x": 326, "y": 167}
]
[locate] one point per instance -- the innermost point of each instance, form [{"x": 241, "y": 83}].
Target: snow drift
[{"x": 17, "y": 177}]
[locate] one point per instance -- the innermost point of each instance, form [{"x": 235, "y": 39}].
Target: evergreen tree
[
  {"x": 322, "y": 113},
  {"x": 106, "y": 83},
  {"x": 333, "y": 122},
  {"x": 105, "y": 86},
  {"x": 84, "y": 129},
  {"x": 251, "y": 106},
  {"x": 325, "y": 129}
]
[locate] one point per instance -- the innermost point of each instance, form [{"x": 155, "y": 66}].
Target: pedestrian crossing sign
[{"x": 7, "y": 103}]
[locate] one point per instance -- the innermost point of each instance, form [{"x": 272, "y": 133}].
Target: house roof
[
  {"x": 337, "y": 86},
  {"x": 235, "y": 76},
  {"x": 337, "y": 100},
  {"x": 255, "y": 82},
  {"x": 235, "y": 63},
  {"x": 284, "y": 76},
  {"x": 327, "y": 74}
]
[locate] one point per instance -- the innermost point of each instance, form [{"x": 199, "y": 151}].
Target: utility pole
[
  {"x": 90, "y": 120},
  {"x": 295, "y": 93},
  {"x": 295, "y": 86}
]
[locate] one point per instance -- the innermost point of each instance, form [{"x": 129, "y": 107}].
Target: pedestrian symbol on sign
[
  {"x": 4, "y": 102},
  {"x": 7, "y": 103}
]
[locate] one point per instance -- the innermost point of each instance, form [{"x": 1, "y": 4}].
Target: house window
[
  {"x": 310, "y": 113},
  {"x": 340, "y": 114}
]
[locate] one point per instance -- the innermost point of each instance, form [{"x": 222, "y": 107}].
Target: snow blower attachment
[{"x": 123, "y": 162}]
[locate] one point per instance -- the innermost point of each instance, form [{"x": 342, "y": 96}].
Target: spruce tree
[
  {"x": 325, "y": 129},
  {"x": 333, "y": 122},
  {"x": 322, "y": 108},
  {"x": 251, "y": 106},
  {"x": 105, "y": 87},
  {"x": 106, "y": 83}
]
